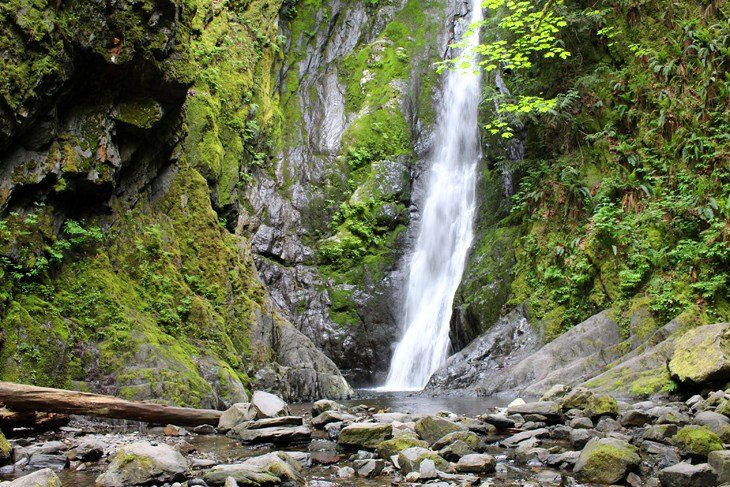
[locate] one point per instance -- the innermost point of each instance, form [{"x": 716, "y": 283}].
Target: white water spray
[{"x": 446, "y": 228}]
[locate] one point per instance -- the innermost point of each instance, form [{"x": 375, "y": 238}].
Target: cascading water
[{"x": 446, "y": 228}]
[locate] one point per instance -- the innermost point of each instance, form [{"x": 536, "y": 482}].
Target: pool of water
[{"x": 427, "y": 403}]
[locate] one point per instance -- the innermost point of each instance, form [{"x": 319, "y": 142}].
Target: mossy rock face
[
  {"x": 433, "y": 428},
  {"x": 365, "y": 435},
  {"x": 606, "y": 461},
  {"x": 398, "y": 443},
  {"x": 702, "y": 355},
  {"x": 594, "y": 405},
  {"x": 698, "y": 441}
]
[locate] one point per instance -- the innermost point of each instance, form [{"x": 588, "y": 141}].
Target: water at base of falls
[{"x": 446, "y": 228}]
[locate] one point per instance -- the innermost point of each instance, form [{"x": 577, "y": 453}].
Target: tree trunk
[
  {"x": 24, "y": 398},
  {"x": 31, "y": 419}
]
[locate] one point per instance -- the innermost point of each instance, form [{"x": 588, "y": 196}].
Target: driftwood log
[{"x": 22, "y": 398}]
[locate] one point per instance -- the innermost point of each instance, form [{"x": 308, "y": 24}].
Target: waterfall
[{"x": 446, "y": 227}]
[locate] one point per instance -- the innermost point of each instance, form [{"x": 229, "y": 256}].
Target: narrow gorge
[{"x": 399, "y": 205}]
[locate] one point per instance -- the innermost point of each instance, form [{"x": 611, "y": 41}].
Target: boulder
[
  {"x": 556, "y": 392},
  {"x": 719, "y": 460},
  {"x": 702, "y": 355},
  {"x": 410, "y": 460},
  {"x": 325, "y": 405},
  {"x": 272, "y": 435},
  {"x": 499, "y": 421},
  {"x": 427, "y": 470},
  {"x": 634, "y": 417},
  {"x": 593, "y": 405},
  {"x": 398, "y": 443},
  {"x": 718, "y": 423},
  {"x": 698, "y": 441},
  {"x": 433, "y": 428},
  {"x": 453, "y": 451},
  {"x": 468, "y": 437},
  {"x": 514, "y": 440},
  {"x": 236, "y": 414},
  {"x": 548, "y": 409},
  {"x": 331, "y": 416},
  {"x": 268, "y": 405},
  {"x": 87, "y": 450},
  {"x": 479, "y": 463},
  {"x": 270, "y": 469},
  {"x": 606, "y": 461},
  {"x": 687, "y": 475},
  {"x": 365, "y": 435},
  {"x": 368, "y": 468},
  {"x": 39, "y": 478},
  {"x": 142, "y": 463},
  {"x": 48, "y": 460}
]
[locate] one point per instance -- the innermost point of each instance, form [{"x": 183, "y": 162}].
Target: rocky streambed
[{"x": 567, "y": 437}]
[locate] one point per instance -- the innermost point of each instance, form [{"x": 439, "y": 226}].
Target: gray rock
[
  {"x": 514, "y": 440},
  {"x": 555, "y": 393},
  {"x": 579, "y": 437},
  {"x": 87, "y": 450},
  {"x": 141, "y": 463},
  {"x": 230, "y": 482},
  {"x": 719, "y": 460},
  {"x": 272, "y": 435},
  {"x": 204, "y": 429},
  {"x": 479, "y": 463},
  {"x": 236, "y": 414},
  {"x": 270, "y": 469},
  {"x": 268, "y": 405},
  {"x": 580, "y": 423},
  {"x": 548, "y": 409},
  {"x": 325, "y": 405},
  {"x": 718, "y": 424},
  {"x": 663, "y": 433},
  {"x": 471, "y": 439},
  {"x": 345, "y": 472},
  {"x": 368, "y": 468},
  {"x": 427, "y": 470},
  {"x": 40, "y": 478},
  {"x": 567, "y": 458},
  {"x": 410, "y": 459},
  {"x": 453, "y": 451},
  {"x": 688, "y": 475},
  {"x": 47, "y": 460},
  {"x": 331, "y": 416},
  {"x": 499, "y": 421},
  {"x": 634, "y": 417}
]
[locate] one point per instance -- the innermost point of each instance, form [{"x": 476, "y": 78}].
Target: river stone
[
  {"x": 635, "y": 417},
  {"x": 514, "y": 440},
  {"x": 141, "y": 463},
  {"x": 479, "y": 463},
  {"x": 427, "y": 470},
  {"x": 468, "y": 437},
  {"x": 410, "y": 459},
  {"x": 325, "y": 405},
  {"x": 433, "y": 428},
  {"x": 47, "y": 460},
  {"x": 555, "y": 393},
  {"x": 273, "y": 422},
  {"x": 268, "y": 405},
  {"x": 39, "y": 478},
  {"x": 368, "y": 468},
  {"x": 87, "y": 450},
  {"x": 272, "y": 435},
  {"x": 399, "y": 442},
  {"x": 719, "y": 460},
  {"x": 499, "y": 421},
  {"x": 548, "y": 409},
  {"x": 270, "y": 469},
  {"x": 236, "y": 414},
  {"x": 365, "y": 435},
  {"x": 606, "y": 461},
  {"x": 454, "y": 451},
  {"x": 702, "y": 355},
  {"x": 593, "y": 405},
  {"x": 663, "y": 433},
  {"x": 687, "y": 475},
  {"x": 331, "y": 416}
]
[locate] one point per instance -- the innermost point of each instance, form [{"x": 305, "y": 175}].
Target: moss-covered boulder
[
  {"x": 702, "y": 355},
  {"x": 401, "y": 441},
  {"x": 142, "y": 463},
  {"x": 698, "y": 441},
  {"x": 593, "y": 405},
  {"x": 606, "y": 461},
  {"x": 410, "y": 459},
  {"x": 5, "y": 449},
  {"x": 433, "y": 428},
  {"x": 365, "y": 435}
]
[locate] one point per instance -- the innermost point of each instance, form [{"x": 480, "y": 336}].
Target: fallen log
[{"x": 25, "y": 398}]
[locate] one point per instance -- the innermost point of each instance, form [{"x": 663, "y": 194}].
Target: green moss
[
  {"x": 141, "y": 113},
  {"x": 5, "y": 449},
  {"x": 607, "y": 461},
  {"x": 698, "y": 440}
]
